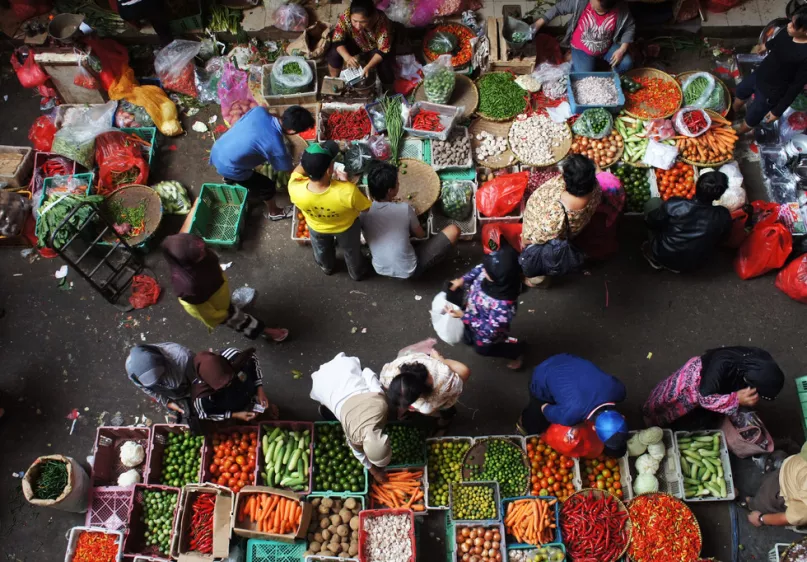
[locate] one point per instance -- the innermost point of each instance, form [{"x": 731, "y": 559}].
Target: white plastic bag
[
  {"x": 660, "y": 155},
  {"x": 174, "y": 66},
  {"x": 681, "y": 126},
  {"x": 735, "y": 196},
  {"x": 400, "y": 11},
  {"x": 291, "y": 17},
  {"x": 291, "y": 83},
  {"x": 553, "y": 78},
  {"x": 408, "y": 67},
  {"x": 448, "y": 328},
  {"x": 702, "y": 100}
]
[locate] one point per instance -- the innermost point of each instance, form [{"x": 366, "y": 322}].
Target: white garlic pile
[
  {"x": 489, "y": 146},
  {"x": 533, "y": 138},
  {"x": 388, "y": 538},
  {"x": 595, "y": 90}
]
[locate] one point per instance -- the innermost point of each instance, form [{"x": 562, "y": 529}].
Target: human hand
[
  {"x": 748, "y": 396},
  {"x": 366, "y": 71},
  {"x": 538, "y": 24},
  {"x": 379, "y": 475},
  {"x": 244, "y": 416},
  {"x": 616, "y": 58},
  {"x": 753, "y": 518},
  {"x": 262, "y": 399},
  {"x": 436, "y": 355},
  {"x": 457, "y": 283},
  {"x": 452, "y": 311},
  {"x": 351, "y": 62},
  {"x": 175, "y": 407},
  {"x": 770, "y": 117}
]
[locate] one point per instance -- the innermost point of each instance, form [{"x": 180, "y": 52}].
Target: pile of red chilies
[
  {"x": 695, "y": 121},
  {"x": 201, "y": 532},
  {"x": 427, "y": 121},
  {"x": 347, "y": 125},
  {"x": 593, "y": 528}
]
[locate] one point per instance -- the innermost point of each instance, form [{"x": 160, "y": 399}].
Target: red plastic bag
[
  {"x": 145, "y": 291},
  {"x": 492, "y": 234},
  {"x": 579, "y": 441},
  {"x": 765, "y": 212},
  {"x": 84, "y": 79},
  {"x": 766, "y": 248},
  {"x": 26, "y": 9},
  {"x": 120, "y": 161},
  {"x": 41, "y": 133},
  {"x": 792, "y": 280},
  {"x": 740, "y": 228},
  {"x": 29, "y": 73},
  {"x": 501, "y": 195}
]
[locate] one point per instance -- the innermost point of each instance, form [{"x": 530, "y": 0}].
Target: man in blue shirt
[{"x": 254, "y": 139}]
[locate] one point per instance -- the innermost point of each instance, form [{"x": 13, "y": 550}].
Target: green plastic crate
[
  {"x": 272, "y": 551},
  {"x": 362, "y": 492},
  {"x": 88, "y": 177},
  {"x": 220, "y": 214},
  {"x": 468, "y": 174},
  {"x": 188, "y": 23},
  {"x": 422, "y": 461},
  {"x": 148, "y": 134}
]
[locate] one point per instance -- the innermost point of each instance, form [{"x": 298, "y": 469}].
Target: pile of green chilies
[{"x": 52, "y": 480}]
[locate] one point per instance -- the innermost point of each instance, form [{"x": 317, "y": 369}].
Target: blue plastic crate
[
  {"x": 273, "y": 551},
  {"x": 578, "y": 108},
  {"x": 558, "y": 538}
]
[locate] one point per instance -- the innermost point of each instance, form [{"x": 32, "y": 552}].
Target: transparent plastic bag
[
  {"x": 234, "y": 95},
  {"x": 84, "y": 79},
  {"x": 131, "y": 115},
  {"x": 357, "y": 158},
  {"x": 207, "y": 80},
  {"x": 408, "y": 67},
  {"x": 595, "y": 123},
  {"x": 439, "y": 80},
  {"x": 697, "y": 89},
  {"x": 691, "y": 121},
  {"x": 380, "y": 147},
  {"x": 291, "y": 75},
  {"x": 400, "y": 11},
  {"x": 174, "y": 197},
  {"x": 443, "y": 43},
  {"x": 553, "y": 78},
  {"x": 174, "y": 66},
  {"x": 456, "y": 200},
  {"x": 291, "y": 17},
  {"x": 77, "y": 141},
  {"x": 660, "y": 129}
]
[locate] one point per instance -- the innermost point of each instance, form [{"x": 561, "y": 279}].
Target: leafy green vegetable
[{"x": 54, "y": 210}]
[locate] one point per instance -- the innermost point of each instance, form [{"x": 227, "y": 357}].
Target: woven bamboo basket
[
  {"x": 132, "y": 196},
  {"x": 506, "y": 158},
  {"x": 489, "y": 118},
  {"x": 617, "y": 156},
  {"x": 559, "y": 152},
  {"x": 465, "y": 95},
  {"x": 722, "y": 85},
  {"x": 712, "y": 114},
  {"x": 476, "y": 454},
  {"x": 297, "y": 146},
  {"x": 418, "y": 184},
  {"x": 679, "y": 501},
  {"x": 654, "y": 73},
  {"x": 628, "y": 525}
]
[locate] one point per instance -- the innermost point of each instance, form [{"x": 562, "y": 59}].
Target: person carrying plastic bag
[{"x": 363, "y": 35}]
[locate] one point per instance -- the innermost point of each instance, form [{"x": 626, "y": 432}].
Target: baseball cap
[
  {"x": 612, "y": 429},
  {"x": 318, "y": 157}
]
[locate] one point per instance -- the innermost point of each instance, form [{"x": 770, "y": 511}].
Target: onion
[
  {"x": 465, "y": 548},
  {"x": 498, "y": 557},
  {"x": 478, "y": 541},
  {"x": 466, "y": 557},
  {"x": 491, "y": 553},
  {"x": 495, "y": 545},
  {"x": 478, "y": 550},
  {"x": 473, "y": 534},
  {"x": 488, "y": 535},
  {"x": 486, "y": 545},
  {"x": 466, "y": 531},
  {"x": 496, "y": 536}
]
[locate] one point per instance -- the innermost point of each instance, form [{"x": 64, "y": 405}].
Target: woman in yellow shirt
[{"x": 331, "y": 209}]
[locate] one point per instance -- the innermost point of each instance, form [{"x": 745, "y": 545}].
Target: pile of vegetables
[
  {"x": 702, "y": 466},
  {"x": 426, "y": 120},
  {"x": 388, "y": 538},
  {"x": 407, "y": 443},
  {"x": 678, "y": 181},
  {"x": 473, "y": 502},
  {"x": 93, "y": 546},
  {"x": 693, "y": 122},
  {"x": 552, "y": 474},
  {"x": 712, "y": 147},
  {"x": 534, "y": 139},
  {"x": 500, "y": 98},
  {"x": 478, "y": 544},
  {"x": 271, "y": 513},
  {"x": 649, "y": 449},
  {"x": 629, "y": 85},
  {"x": 489, "y": 146},
  {"x": 51, "y": 480},
  {"x": 454, "y": 152},
  {"x": 286, "y": 456},
  {"x": 54, "y": 210},
  {"x": 462, "y": 53},
  {"x": 531, "y": 521},
  {"x": 201, "y": 528},
  {"x": 634, "y": 136},
  {"x": 594, "y": 527},
  {"x": 664, "y": 528},
  {"x": 697, "y": 87},
  {"x": 128, "y": 222},
  {"x": 547, "y": 553},
  {"x": 237, "y": 109},
  {"x": 595, "y": 90},
  {"x": 334, "y": 530},
  {"x": 233, "y": 459},
  {"x": 181, "y": 459},
  {"x": 403, "y": 490},
  {"x": 604, "y": 152},
  {"x": 657, "y": 97},
  {"x": 174, "y": 197},
  {"x": 636, "y": 185},
  {"x": 394, "y": 123},
  {"x": 503, "y": 463},
  {"x": 158, "y": 517},
  {"x": 456, "y": 199},
  {"x": 302, "y": 228},
  {"x": 347, "y": 125},
  {"x": 444, "y": 466},
  {"x": 336, "y": 469},
  {"x": 594, "y": 123},
  {"x": 439, "y": 84},
  {"x": 224, "y": 20},
  {"x": 603, "y": 473}
]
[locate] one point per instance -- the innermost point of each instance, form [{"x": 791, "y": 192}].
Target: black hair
[
  {"x": 381, "y": 179},
  {"x": 364, "y": 7},
  {"x": 409, "y": 385},
  {"x": 799, "y": 18},
  {"x": 297, "y": 119},
  {"x": 608, "y": 4},
  {"x": 711, "y": 186},
  {"x": 580, "y": 175}
]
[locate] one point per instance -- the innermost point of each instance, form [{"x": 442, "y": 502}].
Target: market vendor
[
  {"x": 779, "y": 78},
  {"x": 717, "y": 382},
  {"x": 254, "y": 139},
  {"x": 597, "y": 30},
  {"x": 229, "y": 385},
  {"x": 571, "y": 393},
  {"x": 782, "y": 496},
  {"x": 354, "y": 397},
  {"x": 163, "y": 371},
  {"x": 363, "y": 35}
]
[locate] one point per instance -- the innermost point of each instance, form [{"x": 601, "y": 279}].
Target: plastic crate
[
  {"x": 207, "y": 451},
  {"x": 40, "y": 158},
  {"x": 778, "y": 551},
  {"x": 187, "y": 24},
  {"x": 372, "y": 513},
  {"x": 220, "y": 214},
  {"x": 48, "y": 183},
  {"x": 157, "y": 444},
  {"x": 489, "y": 484},
  {"x": 451, "y": 539},
  {"x": 331, "y": 107},
  {"x": 579, "y": 108},
  {"x": 376, "y": 505},
  {"x": 669, "y": 476},
  {"x": 315, "y": 517},
  {"x": 294, "y": 222},
  {"x": 531, "y": 547},
  {"x": 448, "y": 117},
  {"x": 371, "y": 108},
  {"x": 75, "y": 532},
  {"x": 148, "y": 134},
  {"x": 558, "y": 538},
  {"x": 108, "y": 440},
  {"x": 364, "y": 490},
  {"x": 577, "y": 479},
  {"x": 468, "y": 227},
  {"x": 135, "y": 544},
  {"x": 801, "y": 388},
  {"x": 419, "y": 149},
  {"x": 468, "y": 174},
  {"x": 109, "y": 508},
  {"x": 725, "y": 460},
  {"x": 469, "y": 161},
  {"x": 422, "y": 436},
  {"x": 265, "y": 429},
  {"x": 272, "y": 551},
  {"x": 429, "y": 504}
]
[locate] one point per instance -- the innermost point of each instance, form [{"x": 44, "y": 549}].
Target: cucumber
[
  {"x": 278, "y": 450},
  {"x": 693, "y": 473},
  {"x": 688, "y": 480},
  {"x": 293, "y": 459},
  {"x": 301, "y": 468},
  {"x": 287, "y": 452},
  {"x": 274, "y": 435},
  {"x": 714, "y": 489},
  {"x": 706, "y": 439},
  {"x": 305, "y": 464},
  {"x": 684, "y": 440},
  {"x": 278, "y": 464},
  {"x": 684, "y": 465},
  {"x": 708, "y": 453},
  {"x": 723, "y": 491},
  {"x": 692, "y": 454},
  {"x": 265, "y": 443},
  {"x": 270, "y": 473}
]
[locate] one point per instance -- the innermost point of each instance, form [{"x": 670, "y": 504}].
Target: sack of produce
[
  {"x": 698, "y": 89},
  {"x": 313, "y": 44},
  {"x": 456, "y": 199},
  {"x": 57, "y": 481},
  {"x": 291, "y": 75},
  {"x": 291, "y": 17},
  {"x": 439, "y": 80},
  {"x": 443, "y": 43},
  {"x": 357, "y": 158},
  {"x": 120, "y": 161},
  {"x": 174, "y": 66},
  {"x": 174, "y": 197},
  {"x": 691, "y": 121},
  {"x": 501, "y": 195},
  {"x": 14, "y": 210},
  {"x": 234, "y": 95},
  {"x": 595, "y": 123},
  {"x": 41, "y": 133},
  {"x": 130, "y": 115}
]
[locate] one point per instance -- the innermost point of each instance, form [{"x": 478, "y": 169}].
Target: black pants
[
  {"x": 533, "y": 419},
  {"x": 152, "y": 11},
  {"x": 385, "y": 69},
  {"x": 510, "y": 348},
  {"x": 259, "y": 186}
]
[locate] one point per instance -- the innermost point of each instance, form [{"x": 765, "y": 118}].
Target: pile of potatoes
[{"x": 334, "y": 529}]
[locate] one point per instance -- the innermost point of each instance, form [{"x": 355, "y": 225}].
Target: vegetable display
[
  {"x": 181, "y": 459},
  {"x": 454, "y": 152},
  {"x": 500, "y": 98},
  {"x": 54, "y": 210},
  {"x": 302, "y": 227},
  {"x": 594, "y": 526},
  {"x": 657, "y": 97},
  {"x": 336, "y": 469},
  {"x": 547, "y": 553},
  {"x": 128, "y": 222},
  {"x": 678, "y": 181},
  {"x": 394, "y": 122},
  {"x": 503, "y": 463},
  {"x": 286, "y": 456},
  {"x": 406, "y": 442},
  {"x": 158, "y": 517},
  {"x": 347, "y": 125},
  {"x": 647, "y": 445},
  {"x": 456, "y": 200},
  {"x": 712, "y": 147},
  {"x": 473, "y": 502},
  {"x": 388, "y": 538},
  {"x": 702, "y": 466},
  {"x": 132, "y": 454},
  {"x": 334, "y": 530},
  {"x": 636, "y": 185},
  {"x": 478, "y": 543},
  {"x": 489, "y": 146},
  {"x": 174, "y": 197},
  {"x": 404, "y": 489},
  {"x": 552, "y": 474},
  {"x": 602, "y": 473},
  {"x": 233, "y": 463},
  {"x": 463, "y": 52},
  {"x": 426, "y": 120},
  {"x": 444, "y": 466},
  {"x": 633, "y": 134},
  {"x": 664, "y": 529},
  {"x": 271, "y": 513},
  {"x": 51, "y": 480},
  {"x": 535, "y": 139},
  {"x": 693, "y": 122},
  {"x": 604, "y": 152},
  {"x": 531, "y": 520},
  {"x": 96, "y": 547},
  {"x": 595, "y": 90},
  {"x": 697, "y": 88},
  {"x": 594, "y": 123},
  {"x": 201, "y": 528},
  {"x": 439, "y": 84}
]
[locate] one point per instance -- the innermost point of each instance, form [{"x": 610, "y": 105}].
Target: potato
[
  {"x": 346, "y": 515},
  {"x": 342, "y": 530},
  {"x": 324, "y": 523},
  {"x": 354, "y": 549},
  {"x": 351, "y": 504},
  {"x": 326, "y": 534},
  {"x": 332, "y": 529},
  {"x": 344, "y": 555},
  {"x": 354, "y": 523},
  {"x": 334, "y": 548},
  {"x": 336, "y": 520},
  {"x": 345, "y": 547},
  {"x": 327, "y": 502},
  {"x": 337, "y": 505},
  {"x": 336, "y": 539},
  {"x": 354, "y": 536},
  {"x": 323, "y": 510},
  {"x": 318, "y": 537},
  {"x": 316, "y": 501},
  {"x": 315, "y": 546}
]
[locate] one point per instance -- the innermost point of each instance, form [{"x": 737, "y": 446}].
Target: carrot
[{"x": 531, "y": 520}]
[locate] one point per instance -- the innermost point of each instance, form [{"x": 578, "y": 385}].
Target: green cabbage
[
  {"x": 651, "y": 435},
  {"x": 646, "y": 464},
  {"x": 636, "y": 447},
  {"x": 645, "y": 483},
  {"x": 657, "y": 451}
]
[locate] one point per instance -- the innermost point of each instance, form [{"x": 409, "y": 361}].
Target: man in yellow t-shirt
[
  {"x": 331, "y": 209},
  {"x": 782, "y": 496}
]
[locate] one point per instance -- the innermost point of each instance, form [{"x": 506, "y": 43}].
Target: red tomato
[{"x": 214, "y": 468}]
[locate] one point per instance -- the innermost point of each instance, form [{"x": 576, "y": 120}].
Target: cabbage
[
  {"x": 132, "y": 454},
  {"x": 657, "y": 451},
  {"x": 636, "y": 447},
  {"x": 651, "y": 435},
  {"x": 129, "y": 478},
  {"x": 645, "y": 483},
  {"x": 646, "y": 464}
]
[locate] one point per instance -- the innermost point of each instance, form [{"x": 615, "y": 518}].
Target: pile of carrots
[
  {"x": 531, "y": 521},
  {"x": 715, "y": 145},
  {"x": 404, "y": 490},
  {"x": 271, "y": 513}
]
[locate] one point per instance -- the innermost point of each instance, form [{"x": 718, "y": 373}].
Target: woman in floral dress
[{"x": 363, "y": 35}]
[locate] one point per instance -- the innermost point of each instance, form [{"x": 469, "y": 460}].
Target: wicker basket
[
  {"x": 712, "y": 115},
  {"x": 132, "y": 196},
  {"x": 654, "y": 73},
  {"x": 465, "y": 95},
  {"x": 628, "y": 526},
  {"x": 499, "y": 129},
  {"x": 684, "y": 75},
  {"x": 418, "y": 184},
  {"x": 680, "y": 501},
  {"x": 476, "y": 456},
  {"x": 559, "y": 152},
  {"x": 480, "y": 99}
]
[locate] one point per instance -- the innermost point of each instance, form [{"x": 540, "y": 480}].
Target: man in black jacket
[{"x": 684, "y": 233}]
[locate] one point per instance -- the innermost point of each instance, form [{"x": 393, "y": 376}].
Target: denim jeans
[
  {"x": 583, "y": 62},
  {"x": 324, "y": 246},
  {"x": 757, "y": 108}
]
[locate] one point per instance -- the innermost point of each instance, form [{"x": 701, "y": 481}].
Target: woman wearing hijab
[
  {"x": 229, "y": 386},
  {"x": 718, "y": 382},
  {"x": 491, "y": 298},
  {"x": 203, "y": 290},
  {"x": 164, "y": 371}
]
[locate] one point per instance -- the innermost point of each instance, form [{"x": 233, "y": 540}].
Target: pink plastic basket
[
  {"x": 108, "y": 441},
  {"x": 371, "y": 513},
  {"x": 267, "y": 428},
  {"x": 135, "y": 540},
  {"x": 109, "y": 508},
  {"x": 157, "y": 445},
  {"x": 207, "y": 452}
]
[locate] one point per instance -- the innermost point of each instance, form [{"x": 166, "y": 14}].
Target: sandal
[{"x": 285, "y": 213}]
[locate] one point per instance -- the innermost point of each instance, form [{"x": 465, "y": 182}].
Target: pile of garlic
[
  {"x": 388, "y": 538},
  {"x": 533, "y": 138},
  {"x": 489, "y": 146}
]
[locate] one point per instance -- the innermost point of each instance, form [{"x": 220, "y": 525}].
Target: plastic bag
[
  {"x": 291, "y": 75},
  {"x": 380, "y": 147},
  {"x": 407, "y": 67},
  {"x": 660, "y": 129},
  {"x": 443, "y": 43},
  {"x": 357, "y": 158},
  {"x": 595, "y": 123},
  {"x": 493, "y": 232},
  {"x": 175, "y": 68},
  {"x": 208, "y": 79},
  {"x": 448, "y": 328},
  {"x": 766, "y": 248},
  {"x": 234, "y": 94},
  {"x": 400, "y": 11},
  {"x": 291, "y": 17},
  {"x": 516, "y": 32},
  {"x": 424, "y": 346},
  {"x": 29, "y": 73},
  {"x": 129, "y": 115},
  {"x": 456, "y": 200},
  {"x": 174, "y": 197},
  {"x": 697, "y": 89},
  {"x": 145, "y": 291},
  {"x": 501, "y": 195},
  {"x": 740, "y": 229},
  {"x": 439, "y": 80},
  {"x": 547, "y": 49},
  {"x": 660, "y": 155},
  {"x": 41, "y": 133},
  {"x": 553, "y": 78},
  {"x": 120, "y": 162},
  {"x": 84, "y": 79},
  {"x": 14, "y": 211},
  {"x": 578, "y": 441},
  {"x": 77, "y": 141},
  {"x": 691, "y": 121},
  {"x": 792, "y": 280}
]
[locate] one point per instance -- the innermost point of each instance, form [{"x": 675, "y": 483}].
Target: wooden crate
[{"x": 500, "y": 59}]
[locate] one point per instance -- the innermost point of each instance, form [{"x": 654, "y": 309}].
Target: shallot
[
  {"x": 595, "y": 90},
  {"x": 534, "y": 138}
]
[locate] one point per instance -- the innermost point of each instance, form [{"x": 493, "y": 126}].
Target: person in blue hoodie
[{"x": 572, "y": 392}]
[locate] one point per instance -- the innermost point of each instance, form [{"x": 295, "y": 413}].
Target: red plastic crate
[
  {"x": 266, "y": 428},
  {"x": 207, "y": 451},
  {"x": 134, "y": 545},
  {"x": 109, "y": 508},
  {"x": 157, "y": 445},
  {"x": 371, "y": 513},
  {"x": 108, "y": 441}
]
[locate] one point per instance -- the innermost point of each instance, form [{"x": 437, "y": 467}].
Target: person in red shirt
[{"x": 363, "y": 35}]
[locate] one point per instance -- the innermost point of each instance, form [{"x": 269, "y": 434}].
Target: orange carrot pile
[
  {"x": 271, "y": 513},
  {"x": 715, "y": 145},
  {"x": 531, "y": 521},
  {"x": 403, "y": 490}
]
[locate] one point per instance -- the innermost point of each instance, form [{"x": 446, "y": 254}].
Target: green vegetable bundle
[
  {"x": 702, "y": 466},
  {"x": 174, "y": 198},
  {"x": 456, "y": 199},
  {"x": 394, "y": 122},
  {"x": 51, "y": 480},
  {"x": 443, "y": 43},
  {"x": 54, "y": 210},
  {"x": 286, "y": 457},
  {"x": 704, "y": 92},
  {"x": 500, "y": 98},
  {"x": 595, "y": 123}
]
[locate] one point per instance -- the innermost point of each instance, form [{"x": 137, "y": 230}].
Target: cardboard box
[
  {"x": 247, "y": 528},
  {"x": 222, "y": 515}
]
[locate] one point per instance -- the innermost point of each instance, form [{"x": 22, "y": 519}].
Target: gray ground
[{"x": 65, "y": 349}]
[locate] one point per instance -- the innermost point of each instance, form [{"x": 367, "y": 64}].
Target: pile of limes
[
  {"x": 473, "y": 502},
  {"x": 158, "y": 516},
  {"x": 406, "y": 442},
  {"x": 504, "y": 463},
  {"x": 181, "y": 459},
  {"x": 336, "y": 469},
  {"x": 637, "y": 187},
  {"x": 445, "y": 466}
]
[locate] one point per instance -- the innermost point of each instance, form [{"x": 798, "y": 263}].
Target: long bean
[{"x": 394, "y": 120}]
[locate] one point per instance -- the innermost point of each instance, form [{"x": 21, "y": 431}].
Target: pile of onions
[
  {"x": 604, "y": 152},
  {"x": 477, "y": 544}
]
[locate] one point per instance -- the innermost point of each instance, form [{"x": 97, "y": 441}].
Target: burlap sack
[
  {"x": 314, "y": 42},
  {"x": 74, "y": 498}
]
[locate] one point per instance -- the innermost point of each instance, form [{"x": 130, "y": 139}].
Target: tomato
[
  {"x": 226, "y": 465},
  {"x": 544, "y": 482},
  {"x": 240, "y": 460},
  {"x": 214, "y": 468},
  {"x": 243, "y": 447},
  {"x": 600, "y": 484},
  {"x": 556, "y": 487},
  {"x": 540, "y": 448},
  {"x": 606, "y": 473},
  {"x": 617, "y": 485}
]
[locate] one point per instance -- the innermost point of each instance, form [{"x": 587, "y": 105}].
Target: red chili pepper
[
  {"x": 96, "y": 547},
  {"x": 593, "y": 528},
  {"x": 201, "y": 532},
  {"x": 655, "y": 98},
  {"x": 427, "y": 121},
  {"x": 663, "y": 529},
  {"x": 347, "y": 125}
]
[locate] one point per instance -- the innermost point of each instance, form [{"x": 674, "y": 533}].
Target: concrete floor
[{"x": 65, "y": 349}]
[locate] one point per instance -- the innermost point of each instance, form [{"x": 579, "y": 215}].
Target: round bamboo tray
[
  {"x": 727, "y": 95},
  {"x": 506, "y": 158},
  {"x": 418, "y": 184},
  {"x": 712, "y": 114},
  {"x": 677, "y": 500},
  {"x": 482, "y": 115},
  {"x": 465, "y": 95},
  {"x": 476, "y": 456},
  {"x": 132, "y": 196},
  {"x": 628, "y": 525},
  {"x": 617, "y": 157},
  {"x": 654, "y": 73},
  {"x": 558, "y": 152}
]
